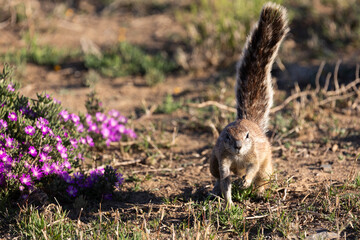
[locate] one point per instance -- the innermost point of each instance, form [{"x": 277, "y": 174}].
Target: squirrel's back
[{"x": 254, "y": 93}]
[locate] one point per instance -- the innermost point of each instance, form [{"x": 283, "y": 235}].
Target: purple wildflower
[
  {"x": 58, "y": 138},
  {"x": 64, "y": 155},
  {"x": 73, "y": 142},
  {"x": 21, "y": 187},
  {"x": 66, "y": 164},
  {"x": 75, "y": 118},
  {"x": 27, "y": 165},
  {"x": 113, "y": 123},
  {"x": 100, "y": 117},
  {"x": 2, "y": 153},
  {"x": 32, "y": 151},
  {"x": 30, "y": 130},
  {"x": 46, "y": 169},
  {"x": 78, "y": 176},
  {"x": 131, "y": 133},
  {"x": 80, "y": 127},
  {"x": 80, "y": 156},
  {"x": 121, "y": 128},
  {"x": 105, "y": 132},
  {"x": 64, "y": 114},
  {"x": 113, "y": 113},
  {"x": 60, "y": 147},
  {"x": 25, "y": 179},
  {"x": 93, "y": 127},
  {"x": 43, "y": 157},
  {"x": 9, "y": 142},
  {"x": 41, "y": 122},
  {"x": 12, "y": 116},
  {"x": 88, "y": 119},
  {"x": 71, "y": 190},
  {"x": 44, "y": 129},
  {"x": 90, "y": 141},
  {"x": 8, "y": 160},
  {"x": 36, "y": 172},
  {"x": 47, "y": 148},
  {"x": 82, "y": 140},
  {"x": 122, "y": 119},
  {"x": 10, "y": 88},
  {"x": 56, "y": 168},
  {"x": 3, "y": 124},
  {"x": 67, "y": 178},
  {"x": 100, "y": 170}
]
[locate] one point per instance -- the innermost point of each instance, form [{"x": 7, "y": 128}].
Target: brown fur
[
  {"x": 242, "y": 146},
  {"x": 254, "y": 92}
]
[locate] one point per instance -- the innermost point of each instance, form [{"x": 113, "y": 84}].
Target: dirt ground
[{"x": 180, "y": 171}]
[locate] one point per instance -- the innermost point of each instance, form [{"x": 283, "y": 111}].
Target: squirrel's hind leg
[{"x": 263, "y": 176}]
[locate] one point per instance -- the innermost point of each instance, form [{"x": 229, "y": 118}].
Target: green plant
[
  {"x": 218, "y": 29},
  {"x": 41, "y": 144},
  {"x": 169, "y": 105},
  {"x": 126, "y": 59},
  {"x": 41, "y": 55}
]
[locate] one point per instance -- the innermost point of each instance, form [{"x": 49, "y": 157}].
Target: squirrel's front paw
[{"x": 246, "y": 183}]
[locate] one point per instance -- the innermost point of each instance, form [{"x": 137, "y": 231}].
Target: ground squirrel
[{"x": 242, "y": 146}]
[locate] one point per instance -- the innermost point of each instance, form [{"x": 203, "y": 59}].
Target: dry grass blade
[
  {"x": 128, "y": 162},
  {"x": 290, "y": 99},
  {"x": 213, "y": 103},
  {"x": 334, "y": 98},
  {"x": 318, "y": 74},
  {"x": 336, "y": 72},
  {"x": 257, "y": 217},
  {"x": 159, "y": 170}
]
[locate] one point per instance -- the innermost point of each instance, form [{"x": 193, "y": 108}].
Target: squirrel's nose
[{"x": 238, "y": 144}]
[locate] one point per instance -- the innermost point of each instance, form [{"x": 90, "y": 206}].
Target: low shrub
[
  {"x": 42, "y": 143},
  {"x": 126, "y": 59}
]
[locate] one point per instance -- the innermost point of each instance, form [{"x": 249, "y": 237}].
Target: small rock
[
  {"x": 323, "y": 236},
  {"x": 335, "y": 147},
  {"x": 327, "y": 168}
]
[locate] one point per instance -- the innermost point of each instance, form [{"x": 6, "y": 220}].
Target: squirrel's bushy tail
[{"x": 254, "y": 93}]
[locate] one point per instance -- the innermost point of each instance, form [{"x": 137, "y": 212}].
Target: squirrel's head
[{"x": 237, "y": 138}]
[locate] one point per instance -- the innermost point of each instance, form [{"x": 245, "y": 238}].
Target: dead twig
[
  {"x": 330, "y": 96},
  {"x": 344, "y": 89},
  {"x": 327, "y": 82},
  {"x": 128, "y": 162},
  {"x": 289, "y": 99},
  {"x": 257, "y": 217},
  {"x": 148, "y": 112},
  {"x": 159, "y": 170},
  {"x": 212, "y": 103},
  {"x": 336, "y": 72},
  {"x": 318, "y": 74},
  {"x": 334, "y": 98},
  {"x": 155, "y": 147}
]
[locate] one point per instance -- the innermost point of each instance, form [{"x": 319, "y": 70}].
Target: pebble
[
  {"x": 327, "y": 168},
  {"x": 335, "y": 147},
  {"x": 323, "y": 236}
]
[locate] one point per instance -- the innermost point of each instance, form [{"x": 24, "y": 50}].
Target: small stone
[
  {"x": 335, "y": 147},
  {"x": 327, "y": 168},
  {"x": 323, "y": 236}
]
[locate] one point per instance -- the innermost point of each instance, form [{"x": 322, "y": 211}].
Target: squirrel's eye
[{"x": 247, "y": 135}]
